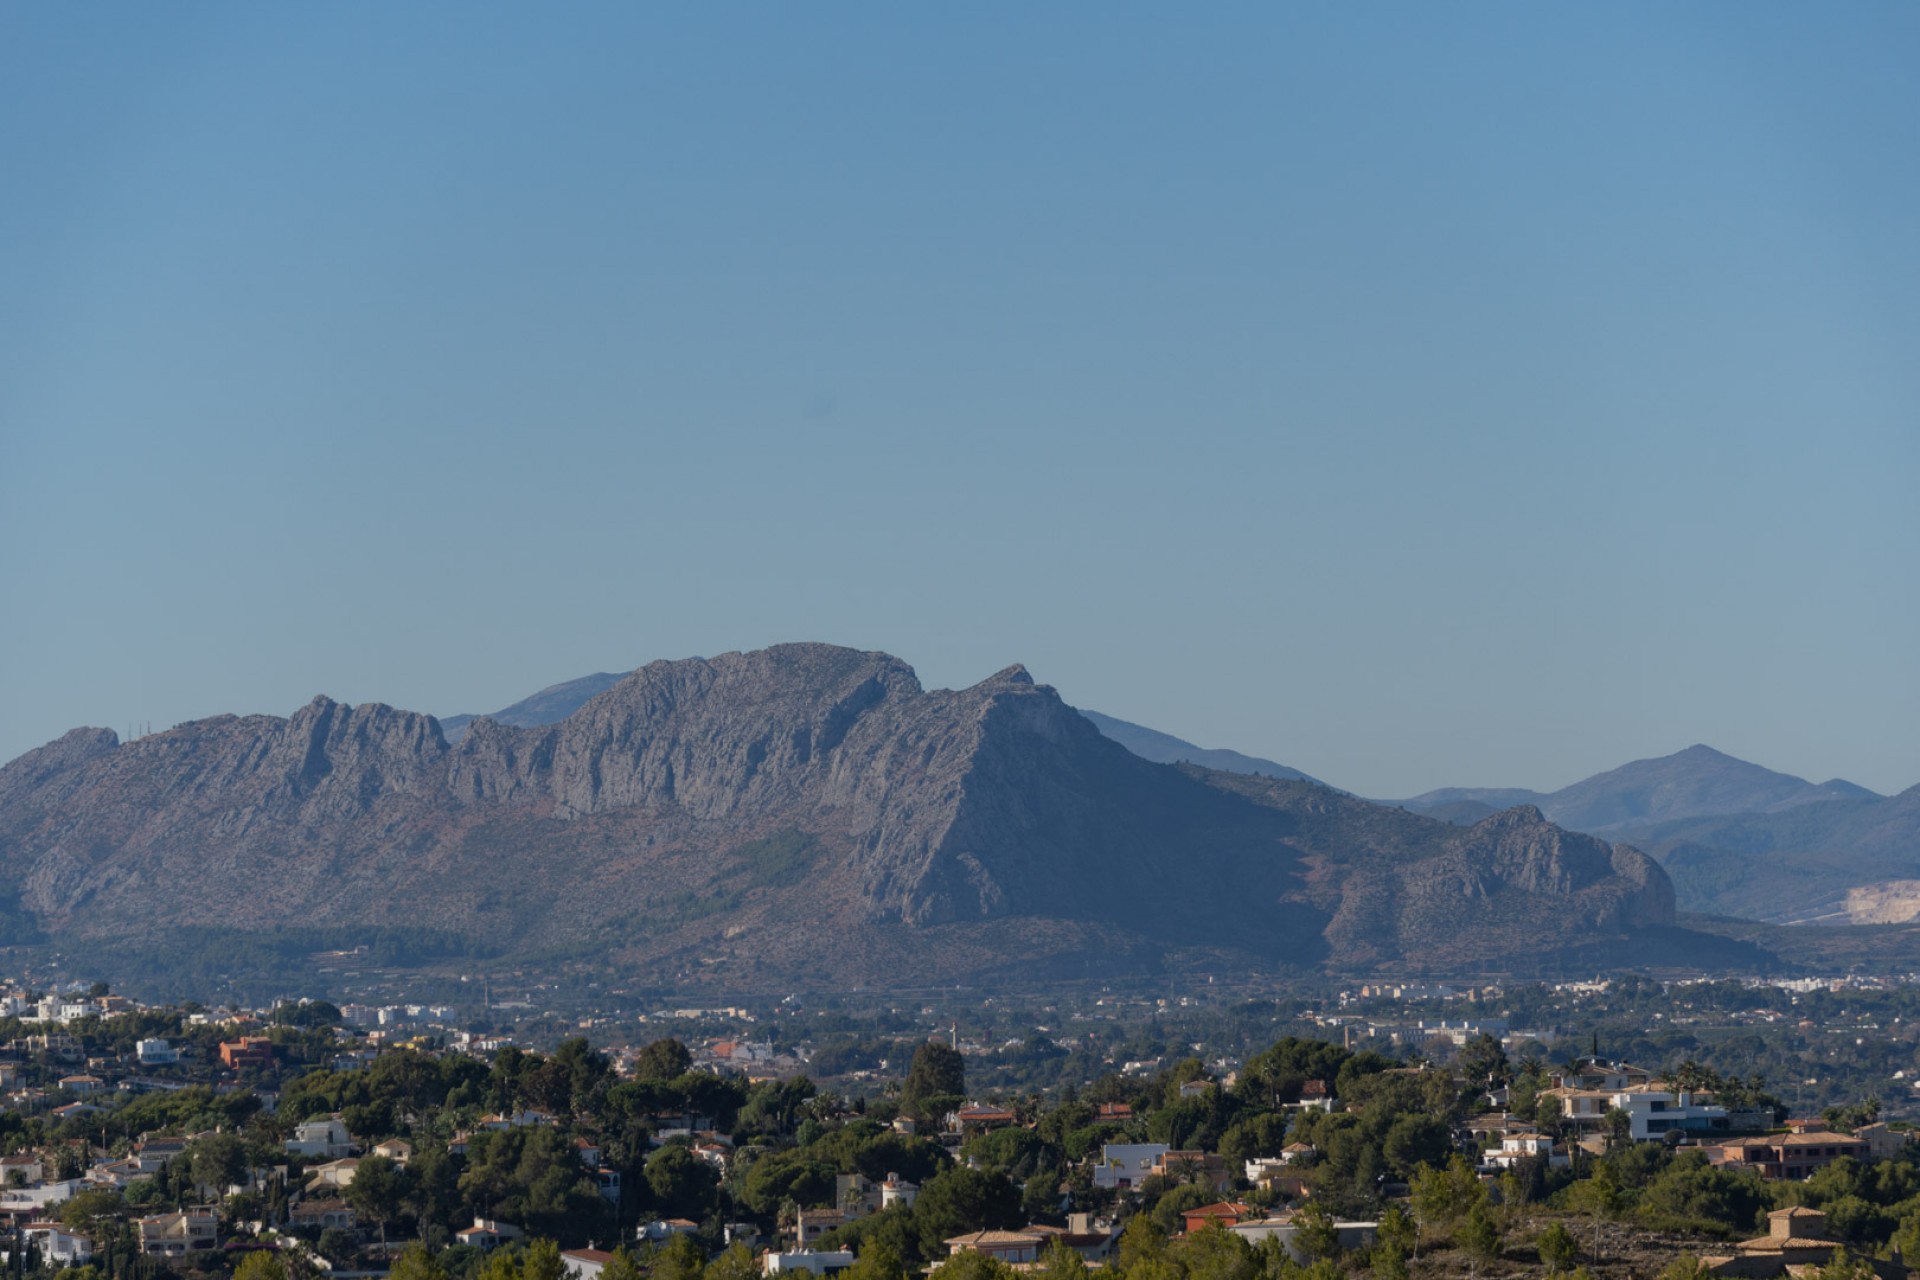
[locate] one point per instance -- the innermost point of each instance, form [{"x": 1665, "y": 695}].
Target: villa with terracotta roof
[
  {"x": 1796, "y": 1238},
  {"x": 1225, "y": 1213},
  {"x": 1789, "y": 1155},
  {"x": 1011, "y": 1247},
  {"x": 976, "y": 1116},
  {"x": 1093, "y": 1239}
]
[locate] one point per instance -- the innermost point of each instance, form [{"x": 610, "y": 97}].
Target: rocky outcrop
[{"x": 680, "y": 811}]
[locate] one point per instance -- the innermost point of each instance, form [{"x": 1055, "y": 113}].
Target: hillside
[
  {"x": 720, "y": 818},
  {"x": 1738, "y": 839},
  {"x": 1849, "y": 860}
]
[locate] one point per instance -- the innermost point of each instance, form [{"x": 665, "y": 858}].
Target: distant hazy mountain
[
  {"x": 804, "y": 816},
  {"x": 1164, "y": 748},
  {"x": 1470, "y": 804},
  {"x": 1736, "y": 838},
  {"x": 1848, "y": 859},
  {"x": 1696, "y": 783},
  {"x": 549, "y": 706}
]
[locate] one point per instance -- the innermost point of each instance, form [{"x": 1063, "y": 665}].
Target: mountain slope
[
  {"x": 716, "y": 819},
  {"x": 1842, "y": 860},
  {"x": 1164, "y": 748}
]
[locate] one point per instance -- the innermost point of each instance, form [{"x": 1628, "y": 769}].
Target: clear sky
[{"x": 1480, "y": 394}]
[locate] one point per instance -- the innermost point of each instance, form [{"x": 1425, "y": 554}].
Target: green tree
[
  {"x": 681, "y": 1258},
  {"x": 1254, "y": 1136},
  {"x": 1442, "y": 1197},
  {"x": 1060, "y": 1262},
  {"x": 416, "y": 1262},
  {"x": 260, "y": 1264},
  {"x": 681, "y": 1182},
  {"x": 785, "y": 1175},
  {"x": 433, "y": 1188},
  {"x": 1906, "y": 1237},
  {"x": 1483, "y": 1062},
  {"x": 1170, "y": 1208},
  {"x": 378, "y": 1192},
  {"x": 1481, "y": 1234},
  {"x": 1141, "y": 1244},
  {"x": 218, "y": 1162},
  {"x": 662, "y": 1060},
  {"x": 543, "y": 1262},
  {"x": 1599, "y": 1196},
  {"x": 937, "y": 1073},
  {"x": 1691, "y": 1188},
  {"x": 1686, "y": 1267},
  {"x": 531, "y": 1176},
  {"x": 335, "y": 1245},
  {"x": 1214, "y": 1253},
  {"x": 1315, "y": 1233},
  {"x": 621, "y": 1266},
  {"x": 878, "y": 1260},
  {"x": 502, "y": 1264},
  {"x": 87, "y": 1212},
  {"x": 1396, "y": 1230},
  {"x": 736, "y": 1263},
  {"x": 1416, "y": 1140},
  {"x": 958, "y": 1200},
  {"x": 969, "y": 1265},
  {"x": 1556, "y": 1247}
]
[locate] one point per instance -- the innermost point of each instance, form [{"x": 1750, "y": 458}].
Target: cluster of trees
[{"x": 1397, "y": 1138}]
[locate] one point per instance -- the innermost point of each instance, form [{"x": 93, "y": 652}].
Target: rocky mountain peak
[{"x": 988, "y": 823}]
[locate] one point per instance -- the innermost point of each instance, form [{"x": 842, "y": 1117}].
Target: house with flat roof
[
  {"x": 175, "y": 1235},
  {"x": 1127, "y": 1164}
]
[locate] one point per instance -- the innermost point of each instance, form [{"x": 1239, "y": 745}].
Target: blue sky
[{"x": 1419, "y": 395}]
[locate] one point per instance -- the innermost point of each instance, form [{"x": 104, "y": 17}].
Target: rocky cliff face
[{"x": 687, "y": 809}]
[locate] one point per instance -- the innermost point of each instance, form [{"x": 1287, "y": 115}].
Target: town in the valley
[{"x": 1624, "y": 1127}]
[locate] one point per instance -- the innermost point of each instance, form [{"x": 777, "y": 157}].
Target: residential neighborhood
[{"x": 343, "y": 1145}]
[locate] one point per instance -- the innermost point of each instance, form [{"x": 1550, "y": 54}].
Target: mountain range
[
  {"x": 804, "y": 815},
  {"x": 1737, "y": 839},
  {"x": 1696, "y": 783}
]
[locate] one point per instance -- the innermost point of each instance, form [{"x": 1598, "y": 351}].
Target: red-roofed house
[{"x": 1226, "y": 1213}]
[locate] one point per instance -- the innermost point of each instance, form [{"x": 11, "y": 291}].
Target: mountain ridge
[
  {"x": 669, "y": 820},
  {"x": 1697, "y": 781}
]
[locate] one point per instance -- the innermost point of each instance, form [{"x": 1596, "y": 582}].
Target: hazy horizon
[{"x": 1417, "y": 397}]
